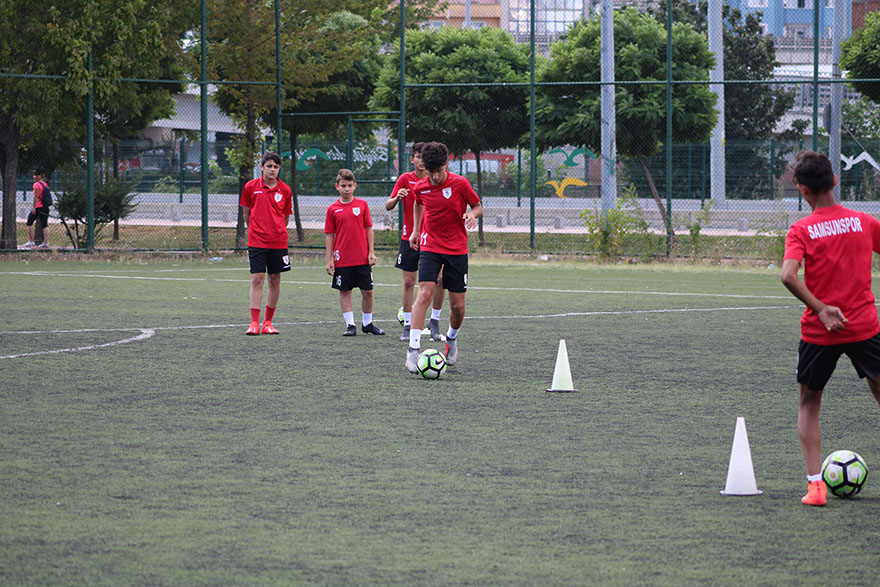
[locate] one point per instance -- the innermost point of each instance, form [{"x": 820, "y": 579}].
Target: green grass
[{"x": 201, "y": 456}]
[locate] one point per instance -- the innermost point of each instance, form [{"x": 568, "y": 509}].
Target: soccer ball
[
  {"x": 431, "y": 364},
  {"x": 400, "y": 315},
  {"x": 844, "y": 472}
]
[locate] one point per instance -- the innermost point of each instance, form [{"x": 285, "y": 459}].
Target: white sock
[
  {"x": 407, "y": 318},
  {"x": 368, "y": 317},
  {"x": 452, "y": 332},
  {"x": 415, "y": 338},
  {"x": 435, "y": 313},
  {"x": 811, "y": 478},
  {"x": 348, "y": 317}
]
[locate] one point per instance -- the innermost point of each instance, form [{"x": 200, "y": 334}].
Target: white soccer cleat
[
  {"x": 451, "y": 351},
  {"x": 412, "y": 356}
]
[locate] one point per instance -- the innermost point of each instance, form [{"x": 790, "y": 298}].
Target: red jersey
[
  {"x": 38, "y": 189},
  {"x": 443, "y": 229},
  {"x": 836, "y": 244},
  {"x": 349, "y": 222},
  {"x": 406, "y": 181},
  {"x": 269, "y": 207}
]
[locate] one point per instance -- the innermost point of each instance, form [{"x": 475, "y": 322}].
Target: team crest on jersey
[
  {"x": 356, "y": 211},
  {"x": 278, "y": 197},
  {"x": 447, "y": 193}
]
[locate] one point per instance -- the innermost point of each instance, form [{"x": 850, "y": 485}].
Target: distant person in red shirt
[
  {"x": 267, "y": 203},
  {"x": 39, "y": 213},
  {"x": 836, "y": 245},
  {"x": 349, "y": 252},
  {"x": 407, "y": 257},
  {"x": 440, "y": 222}
]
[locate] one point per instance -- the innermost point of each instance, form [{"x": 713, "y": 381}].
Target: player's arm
[
  {"x": 470, "y": 217},
  {"x": 330, "y": 239},
  {"x": 36, "y": 195},
  {"x": 246, "y": 212},
  {"x": 397, "y": 194},
  {"x": 831, "y": 316},
  {"x": 371, "y": 253},
  {"x": 418, "y": 213}
]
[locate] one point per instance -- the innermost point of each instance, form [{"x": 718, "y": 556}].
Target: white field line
[
  {"x": 471, "y": 288},
  {"x": 145, "y": 334}
]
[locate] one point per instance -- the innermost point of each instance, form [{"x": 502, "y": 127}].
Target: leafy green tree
[
  {"x": 860, "y": 57},
  {"x": 469, "y": 117},
  {"x": 127, "y": 38},
  {"x": 751, "y": 111},
  {"x": 241, "y": 46},
  {"x": 571, "y": 115},
  {"x": 345, "y": 91},
  {"x": 114, "y": 200}
]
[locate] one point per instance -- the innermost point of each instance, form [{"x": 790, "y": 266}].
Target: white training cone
[
  {"x": 740, "y": 474},
  {"x": 562, "y": 373}
]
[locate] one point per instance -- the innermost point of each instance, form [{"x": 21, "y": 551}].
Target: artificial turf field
[{"x": 145, "y": 440}]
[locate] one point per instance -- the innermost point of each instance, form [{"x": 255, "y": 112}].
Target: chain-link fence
[{"x": 126, "y": 180}]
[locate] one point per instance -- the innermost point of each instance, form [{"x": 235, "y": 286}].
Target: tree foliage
[
  {"x": 571, "y": 114},
  {"x": 469, "y": 117},
  {"x": 860, "y": 57},
  {"x": 127, "y": 39}
]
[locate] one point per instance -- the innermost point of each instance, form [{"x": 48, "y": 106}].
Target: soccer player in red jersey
[
  {"x": 349, "y": 252},
  {"x": 440, "y": 222},
  {"x": 267, "y": 204},
  {"x": 836, "y": 245},
  {"x": 407, "y": 257}
]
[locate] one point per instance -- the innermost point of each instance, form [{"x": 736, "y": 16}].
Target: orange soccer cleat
[
  {"x": 816, "y": 493},
  {"x": 253, "y": 329},
  {"x": 268, "y": 328}
]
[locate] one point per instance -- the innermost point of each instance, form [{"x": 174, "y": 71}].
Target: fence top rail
[{"x": 358, "y": 113}]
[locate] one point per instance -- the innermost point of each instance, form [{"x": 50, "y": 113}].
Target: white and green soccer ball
[
  {"x": 844, "y": 472},
  {"x": 431, "y": 364},
  {"x": 400, "y": 317}
]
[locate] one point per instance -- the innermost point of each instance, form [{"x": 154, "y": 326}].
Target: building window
[
  {"x": 758, "y": 3},
  {"x": 796, "y": 4},
  {"x": 476, "y": 24},
  {"x": 434, "y": 25},
  {"x": 552, "y": 17}
]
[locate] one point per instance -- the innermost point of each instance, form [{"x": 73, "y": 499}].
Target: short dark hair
[
  {"x": 271, "y": 155},
  {"x": 344, "y": 175},
  {"x": 813, "y": 170},
  {"x": 416, "y": 149},
  {"x": 39, "y": 171},
  {"x": 434, "y": 156}
]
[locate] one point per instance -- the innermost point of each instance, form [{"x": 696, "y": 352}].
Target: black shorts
[
  {"x": 268, "y": 260},
  {"x": 41, "y": 214},
  {"x": 454, "y": 267},
  {"x": 816, "y": 362},
  {"x": 348, "y": 278},
  {"x": 407, "y": 257}
]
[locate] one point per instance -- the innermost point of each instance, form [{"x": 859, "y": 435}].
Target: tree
[
  {"x": 312, "y": 48},
  {"x": 345, "y": 91},
  {"x": 571, "y": 115},
  {"x": 470, "y": 117},
  {"x": 861, "y": 59},
  {"x": 751, "y": 111},
  {"x": 126, "y": 38}
]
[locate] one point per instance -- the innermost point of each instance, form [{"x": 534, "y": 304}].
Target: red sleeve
[
  {"x": 397, "y": 185},
  {"x": 329, "y": 222},
  {"x": 470, "y": 195},
  {"x": 288, "y": 195},
  {"x": 368, "y": 221},
  {"x": 875, "y": 232},
  {"x": 794, "y": 244},
  {"x": 246, "y": 194}
]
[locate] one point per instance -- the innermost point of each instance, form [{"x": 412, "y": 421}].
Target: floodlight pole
[
  {"x": 815, "y": 75},
  {"x": 668, "y": 127},
  {"x": 203, "y": 98},
  {"x": 841, "y": 8},
  {"x": 718, "y": 167},
  {"x": 609, "y": 109},
  {"x": 533, "y": 164}
]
